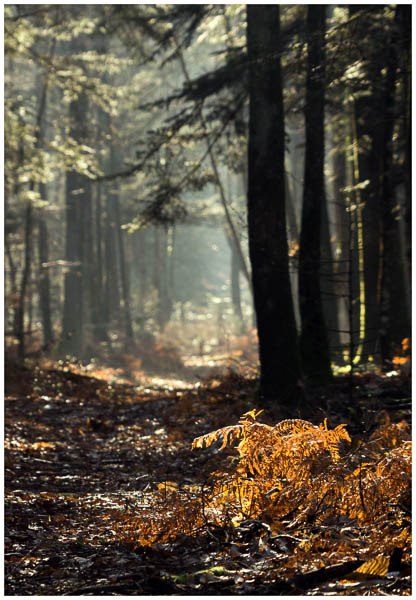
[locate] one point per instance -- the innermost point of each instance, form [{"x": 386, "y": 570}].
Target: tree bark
[
  {"x": 124, "y": 279},
  {"x": 72, "y": 340},
  {"x": 395, "y": 323},
  {"x": 268, "y": 246},
  {"x": 111, "y": 281},
  {"x": 44, "y": 282},
  {"x": 28, "y": 235},
  {"x": 314, "y": 340}
]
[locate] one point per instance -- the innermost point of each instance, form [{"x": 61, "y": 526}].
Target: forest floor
[{"x": 89, "y": 449}]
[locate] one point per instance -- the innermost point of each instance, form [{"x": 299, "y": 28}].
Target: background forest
[
  {"x": 128, "y": 170},
  {"x": 207, "y": 216}
]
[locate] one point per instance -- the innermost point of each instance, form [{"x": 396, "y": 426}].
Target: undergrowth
[{"x": 297, "y": 479}]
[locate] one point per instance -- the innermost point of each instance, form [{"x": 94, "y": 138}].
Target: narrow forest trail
[
  {"x": 83, "y": 453},
  {"x": 76, "y": 447}
]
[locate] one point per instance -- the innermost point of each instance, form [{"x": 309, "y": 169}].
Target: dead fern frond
[{"x": 292, "y": 475}]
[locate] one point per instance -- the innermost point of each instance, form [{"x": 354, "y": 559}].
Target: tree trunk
[
  {"x": 100, "y": 327},
  {"x": 125, "y": 286},
  {"x": 72, "y": 341},
  {"x": 235, "y": 269},
  {"x": 139, "y": 242},
  {"x": 329, "y": 299},
  {"x": 27, "y": 264},
  {"x": 13, "y": 297},
  {"x": 235, "y": 289},
  {"x": 314, "y": 340},
  {"x": 90, "y": 274},
  {"x": 161, "y": 276},
  {"x": 44, "y": 282},
  {"x": 20, "y": 313},
  {"x": 278, "y": 344},
  {"x": 341, "y": 233},
  {"x": 394, "y": 320},
  {"x": 111, "y": 281}
]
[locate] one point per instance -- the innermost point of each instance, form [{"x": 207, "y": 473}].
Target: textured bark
[
  {"x": 90, "y": 275},
  {"x": 314, "y": 339},
  {"x": 100, "y": 325},
  {"x": 125, "y": 284},
  {"x": 235, "y": 289},
  {"x": 141, "y": 273},
  {"x": 367, "y": 129},
  {"x": 327, "y": 284},
  {"x": 395, "y": 323},
  {"x": 111, "y": 281},
  {"x": 278, "y": 346},
  {"x": 72, "y": 340},
  {"x": 369, "y": 125},
  {"x": 405, "y": 21},
  {"x": 20, "y": 313},
  {"x": 28, "y": 233},
  {"x": 44, "y": 282},
  {"x": 161, "y": 276}
]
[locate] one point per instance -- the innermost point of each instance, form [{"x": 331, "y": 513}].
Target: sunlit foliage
[{"x": 292, "y": 477}]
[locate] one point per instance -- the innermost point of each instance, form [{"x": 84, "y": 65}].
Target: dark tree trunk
[
  {"x": 404, "y": 19},
  {"x": 234, "y": 268},
  {"x": 20, "y": 313},
  {"x": 100, "y": 326},
  {"x": 92, "y": 290},
  {"x": 28, "y": 235},
  {"x": 291, "y": 212},
  {"x": 314, "y": 340},
  {"x": 367, "y": 129},
  {"x": 125, "y": 286},
  {"x": 161, "y": 277},
  {"x": 72, "y": 341},
  {"x": 394, "y": 320},
  {"x": 341, "y": 233},
  {"x": 72, "y": 331},
  {"x": 293, "y": 232},
  {"x": 111, "y": 282},
  {"x": 139, "y": 253},
  {"x": 278, "y": 344},
  {"x": 44, "y": 282},
  {"x": 329, "y": 299},
  {"x": 369, "y": 133},
  {"x": 235, "y": 288}
]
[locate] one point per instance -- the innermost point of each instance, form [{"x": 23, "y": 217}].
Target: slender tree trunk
[
  {"x": 278, "y": 345},
  {"x": 314, "y": 339},
  {"x": 72, "y": 325},
  {"x": 161, "y": 276},
  {"x": 44, "y": 282},
  {"x": 141, "y": 273},
  {"x": 329, "y": 299},
  {"x": 235, "y": 290},
  {"x": 111, "y": 283},
  {"x": 72, "y": 340},
  {"x": 90, "y": 275},
  {"x": 157, "y": 270},
  {"x": 369, "y": 132},
  {"x": 235, "y": 269},
  {"x": 100, "y": 328},
  {"x": 342, "y": 227},
  {"x": 20, "y": 313},
  {"x": 12, "y": 300},
  {"x": 125, "y": 286},
  {"x": 28, "y": 235},
  {"x": 394, "y": 321},
  {"x": 293, "y": 231}
]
